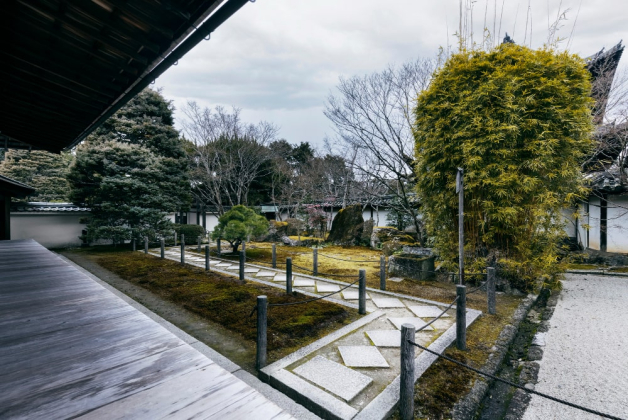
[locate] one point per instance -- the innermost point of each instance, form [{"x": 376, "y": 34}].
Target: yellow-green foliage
[{"x": 519, "y": 122}]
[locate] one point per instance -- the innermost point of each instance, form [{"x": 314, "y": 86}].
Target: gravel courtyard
[{"x": 586, "y": 353}]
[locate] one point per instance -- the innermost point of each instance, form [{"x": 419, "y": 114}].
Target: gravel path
[{"x": 586, "y": 353}]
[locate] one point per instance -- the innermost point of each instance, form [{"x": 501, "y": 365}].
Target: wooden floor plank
[{"x": 69, "y": 347}]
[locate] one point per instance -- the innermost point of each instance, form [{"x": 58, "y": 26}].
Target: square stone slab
[
  {"x": 350, "y": 294},
  {"x": 251, "y": 270},
  {"x": 396, "y": 279},
  {"x": 362, "y": 356},
  {"x": 385, "y": 338},
  {"x": 266, "y": 274},
  {"x": 417, "y": 322},
  {"x": 427, "y": 311},
  {"x": 223, "y": 265},
  {"x": 388, "y": 302},
  {"x": 233, "y": 267},
  {"x": 327, "y": 288},
  {"x": 303, "y": 283},
  {"x": 334, "y": 377},
  {"x": 280, "y": 277}
]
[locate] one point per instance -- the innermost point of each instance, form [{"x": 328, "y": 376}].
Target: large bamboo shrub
[{"x": 519, "y": 122}]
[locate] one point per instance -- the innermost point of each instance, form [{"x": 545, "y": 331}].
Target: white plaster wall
[
  {"x": 594, "y": 223},
  {"x": 211, "y": 220},
  {"x": 617, "y": 224},
  {"x": 52, "y": 230}
]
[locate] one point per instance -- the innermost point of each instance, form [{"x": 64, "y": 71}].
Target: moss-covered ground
[
  {"x": 227, "y": 301},
  {"x": 443, "y": 383}
]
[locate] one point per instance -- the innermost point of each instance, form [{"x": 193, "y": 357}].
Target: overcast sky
[{"x": 278, "y": 60}]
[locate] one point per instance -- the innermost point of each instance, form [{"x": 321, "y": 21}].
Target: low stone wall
[{"x": 411, "y": 266}]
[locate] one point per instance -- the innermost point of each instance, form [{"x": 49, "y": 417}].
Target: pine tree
[
  {"x": 132, "y": 172},
  {"x": 44, "y": 171}
]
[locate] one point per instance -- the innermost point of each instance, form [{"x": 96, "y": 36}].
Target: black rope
[
  {"x": 341, "y": 259},
  {"x": 313, "y": 299},
  {"x": 476, "y": 289},
  {"x": 253, "y": 311},
  {"x": 441, "y": 314},
  {"x": 507, "y": 382}
]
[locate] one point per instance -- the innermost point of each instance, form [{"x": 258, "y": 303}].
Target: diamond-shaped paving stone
[
  {"x": 327, "y": 288},
  {"x": 266, "y": 274},
  {"x": 362, "y": 356},
  {"x": 417, "y": 322},
  {"x": 388, "y": 302},
  {"x": 303, "y": 283},
  {"x": 352, "y": 295},
  {"x": 427, "y": 311},
  {"x": 251, "y": 270},
  {"x": 334, "y": 377},
  {"x": 280, "y": 277},
  {"x": 385, "y": 338}
]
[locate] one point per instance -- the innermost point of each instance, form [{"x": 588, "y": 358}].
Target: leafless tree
[
  {"x": 227, "y": 155},
  {"x": 373, "y": 115}
]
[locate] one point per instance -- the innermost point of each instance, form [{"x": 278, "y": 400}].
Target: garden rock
[
  {"x": 347, "y": 227},
  {"x": 382, "y": 235},
  {"x": 411, "y": 266}
]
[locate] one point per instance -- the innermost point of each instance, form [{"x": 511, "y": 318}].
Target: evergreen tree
[
  {"x": 132, "y": 171},
  {"x": 518, "y": 122},
  {"x": 44, "y": 171}
]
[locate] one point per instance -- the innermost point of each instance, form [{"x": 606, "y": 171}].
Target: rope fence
[{"x": 510, "y": 383}]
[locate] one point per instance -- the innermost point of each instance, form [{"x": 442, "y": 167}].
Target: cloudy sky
[{"x": 278, "y": 60}]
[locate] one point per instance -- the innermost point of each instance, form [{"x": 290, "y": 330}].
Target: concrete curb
[{"x": 468, "y": 405}]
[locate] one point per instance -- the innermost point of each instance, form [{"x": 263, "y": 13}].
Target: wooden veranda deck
[{"x": 70, "y": 348}]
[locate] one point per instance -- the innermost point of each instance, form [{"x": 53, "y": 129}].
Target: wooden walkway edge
[{"x": 69, "y": 348}]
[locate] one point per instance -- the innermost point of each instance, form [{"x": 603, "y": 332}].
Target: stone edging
[{"x": 467, "y": 406}]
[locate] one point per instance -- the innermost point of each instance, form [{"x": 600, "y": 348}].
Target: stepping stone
[
  {"x": 417, "y": 322},
  {"x": 280, "y": 277},
  {"x": 303, "y": 283},
  {"x": 266, "y": 274},
  {"x": 362, "y": 356},
  {"x": 251, "y": 270},
  {"x": 385, "y": 338},
  {"x": 334, "y": 377},
  {"x": 388, "y": 302},
  {"x": 233, "y": 267},
  {"x": 396, "y": 279},
  {"x": 350, "y": 294},
  {"x": 427, "y": 311},
  {"x": 223, "y": 265},
  {"x": 326, "y": 288}
]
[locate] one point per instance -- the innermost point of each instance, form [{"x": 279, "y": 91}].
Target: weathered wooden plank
[{"x": 69, "y": 347}]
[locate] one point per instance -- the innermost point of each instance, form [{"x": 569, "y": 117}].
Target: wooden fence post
[
  {"x": 182, "y": 248},
  {"x": 315, "y": 262},
  {"x": 207, "y": 258},
  {"x": 289, "y": 275},
  {"x": 406, "y": 394},
  {"x": 163, "y": 248},
  {"x": 241, "y": 268},
  {"x": 146, "y": 245},
  {"x": 133, "y": 242},
  {"x": 490, "y": 290},
  {"x": 461, "y": 317},
  {"x": 362, "y": 292},
  {"x": 274, "y": 255},
  {"x": 382, "y": 272},
  {"x": 260, "y": 356},
  {"x": 244, "y": 249}
]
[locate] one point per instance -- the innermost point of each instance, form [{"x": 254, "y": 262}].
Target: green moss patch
[{"x": 228, "y": 302}]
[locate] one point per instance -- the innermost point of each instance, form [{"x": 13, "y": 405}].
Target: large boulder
[
  {"x": 392, "y": 237},
  {"x": 276, "y": 231},
  {"x": 347, "y": 227}
]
